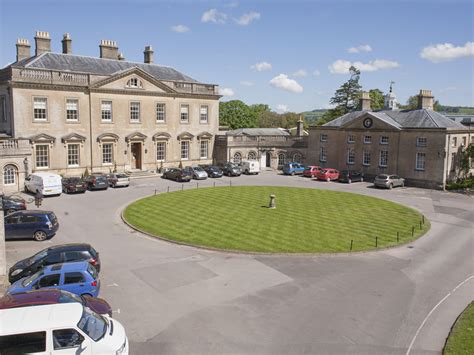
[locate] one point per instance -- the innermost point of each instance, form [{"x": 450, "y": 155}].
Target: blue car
[
  {"x": 39, "y": 225},
  {"x": 80, "y": 278},
  {"x": 293, "y": 168}
]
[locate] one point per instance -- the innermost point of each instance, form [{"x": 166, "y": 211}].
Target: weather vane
[{"x": 391, "y": 84}]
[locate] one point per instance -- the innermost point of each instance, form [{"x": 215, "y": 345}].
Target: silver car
[
  {"x": 388, "y": 181},
  {"x": 196, "y": 172},
  {"x": 116, "y": 180}
]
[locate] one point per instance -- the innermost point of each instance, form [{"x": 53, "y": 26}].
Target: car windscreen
[
  {"x": 37, "y": 257},
  {"x": 382, "y": 177},
  {"x": 29, "y": 280},
  {"x": 92, "y": 270},
  {"x": 92, "y": 324},
  {"x": 198, "y": 168},
  {"x": 101, "y": 179},
  {"x": 121, "y": 176},
  {"x": 68, "y": 297},
  {"x": 52, "y": 218}
]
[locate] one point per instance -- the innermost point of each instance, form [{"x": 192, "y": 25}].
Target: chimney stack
[
  {"x": 108, "y": 49},
  {"x": 148, "y": 54},
  {"x": 22, "y": 49},
  {"x": 67, "y": 44},
  {"x": 120, "y": 56},
  {"x": 299, "y": 127},
  {"x": 42, "y": 42},
  {"x": 365, "y": 101},
  {"x": 425, "y": 100}
]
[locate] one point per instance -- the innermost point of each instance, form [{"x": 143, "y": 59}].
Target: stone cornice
[
  {"x": 52, "y": 87},
  {"x": 151, "y": 93}
]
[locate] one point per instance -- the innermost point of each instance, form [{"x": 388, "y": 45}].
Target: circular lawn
[{"x": 304, "y": 221}]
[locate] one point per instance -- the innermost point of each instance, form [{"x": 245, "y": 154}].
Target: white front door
[{"x": 263, "y": 160}]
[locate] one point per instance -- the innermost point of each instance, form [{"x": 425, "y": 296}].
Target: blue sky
[{"x": 291, "y": 55}]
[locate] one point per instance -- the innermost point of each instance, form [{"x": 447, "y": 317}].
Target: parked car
[
  {"x": 311, "y": 171},
  {"x": 250, "y": 167},
  {"x": 53, "y": 296},
  {"x": 212, "y": 171},
  {"x": 65, "y": 328},
  {"x": 328, "y": 174},
  {"x": 118, "y": 180},
  {"x": 11, "y": 204},
  {"x": 97, "y": 182},
  {"x": 44, "y": 182},
  {"x": 196, "y": 172},
  {"x": 350, "y": 176},
  {"x": 388, "y": 181},
  {"x": 293, "y": 168},
  {"x": 176, "y": 174},
  {"x": 74, "y": 184},
  {"x": 63, "y": 253},
  {"x": 35, "y": 224},
  {"x": 231, "y": 169},
  {"x": 80, "y": 278}
]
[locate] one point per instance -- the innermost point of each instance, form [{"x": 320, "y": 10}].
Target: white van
[
  {"x": 250, "y": 167},
  {"x": 44, "y": 182},
  {"x": 63, "y": 328}
]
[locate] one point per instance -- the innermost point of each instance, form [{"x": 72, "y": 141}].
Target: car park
[
  {"x": 311, "y": 171},
  {"x": 45, "y": 183},
  {"x": 293, "y": 168},
  {"x": 53, "y": 296},
  {"x": 350, "y": 176},
  {"x": 212, "y": 171},
  {"x": 328, "y": 174},
  {"x": 11, "y": 204},
  {"x": 388, "y": 181},
  {"x": 176, "y": 174},
  {"x": 196, "y": 172},
  {"x": 63, "y": 253},
  {"x": 250, "y": 167},
  {"x": 118, "y": 180},
  {"x": 97, "y": 182},
  {"x": 36, "y": 224},
  {"x": 80, "y": 278},
  {"x": 74, "y": 184},
  {"x": 231, "y": 169},
  {"x": 65, "y": 328}
]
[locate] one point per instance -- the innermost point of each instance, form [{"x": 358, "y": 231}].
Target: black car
[
  {"x": 57, "y": 254},
  {"x": 74, "y": 184},
  {"x": 97, "y": 182},
  {"x": 350, "y": 176},
  {"x": 177, "y": 174},
  {"x": 212, "y": 171},
  {"x": 231, "y": 169},
  {"x": 11, "y": 204}
]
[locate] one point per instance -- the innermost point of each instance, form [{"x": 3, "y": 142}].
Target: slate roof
[
  {"x": 98, "y": 66},
  {"x": 467, "y": 120},
  {"x": 257, "y": 132},
  {"x": 421, "y": 118}
]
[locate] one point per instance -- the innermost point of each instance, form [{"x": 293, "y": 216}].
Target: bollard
[
  {"x": 230, "y": 182},
  {"x": 398, "y": 237},
  {"x": 352, "y": 241},
  {"x": 214, "y": 184},
  {"x": 421, "y": 227},
  {"x": 155, "y": 192},
  {"x": 412, "y": 232},
  {"x": 376, "y": 242},
  {"x": 197, "y": 185},
  {"x": 272, "y": 203},
  {"x": 168, "y": 189},
  {"x": 423, "y": 218},
  {"x": 182, "y": 187}
]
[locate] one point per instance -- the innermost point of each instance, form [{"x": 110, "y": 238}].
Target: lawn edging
[{"x": 452, "y": 332}]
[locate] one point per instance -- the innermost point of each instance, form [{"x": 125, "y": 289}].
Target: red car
[
  {"x": 311, "y": 171},
  {"x": 328, "y": 174},
  {"x": 52, "y": 296}
]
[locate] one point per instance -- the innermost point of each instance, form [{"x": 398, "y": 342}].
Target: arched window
[
  {"x": 297, "y": 158},
  {"x": 252, "y": 156},
  {"x": 9, "y": 175},
  {"x": 281, "y": 159},
  {"x": 237, "y": 158}
]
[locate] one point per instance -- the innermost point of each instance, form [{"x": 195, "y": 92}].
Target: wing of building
[
  {"x": 101, "y": 114},
  {"x": 421, "y": 145}
]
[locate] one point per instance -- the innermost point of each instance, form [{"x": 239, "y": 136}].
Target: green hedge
[{"x": 461, "y": 184}]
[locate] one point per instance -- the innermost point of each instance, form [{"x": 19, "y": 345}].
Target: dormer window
[{"x": 134, "y": 83}]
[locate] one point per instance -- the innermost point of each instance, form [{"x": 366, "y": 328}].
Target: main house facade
[
  {"x": 422, "y": 146},
  {"x": 101, "y": 114}
]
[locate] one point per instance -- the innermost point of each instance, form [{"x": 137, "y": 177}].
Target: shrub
[{"x": 461, "y": 184}]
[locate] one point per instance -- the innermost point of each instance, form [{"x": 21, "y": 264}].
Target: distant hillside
[
  {"x": 311, "y": 117},
  {"x": 459, "y": 110}
]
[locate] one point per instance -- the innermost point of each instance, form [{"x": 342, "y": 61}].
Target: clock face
[{"x": 368, "y": 123}]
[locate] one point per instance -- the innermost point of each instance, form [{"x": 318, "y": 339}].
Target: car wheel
[
  {"x": 39, "y": 236},
  {"x": 390, "y": 186},
  {"x": 292, "y": 173},
  {"x": 177, "y": 179},
  {"x": 246, "y": 172}
]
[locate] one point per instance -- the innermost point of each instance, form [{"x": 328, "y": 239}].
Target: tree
[
  {"x": 377, "y": 100},
  {"x": 235, "y": 114}
]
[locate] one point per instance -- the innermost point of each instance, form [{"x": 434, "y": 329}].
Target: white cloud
[
  {"x": 300, "y": 73},
  {"x": 447, "y": 51},
  {"x": 283, "y": 82},
  {"x": 261, "y": 66},
  {"x": 214, "y": 16},
  {"x": 361, "y": 48},
  {"x": 280, "y": 108},
  {"x": 246, "y": 83},
  {"x": 180, "y": 28},
  {"x": 342, "y": 66},
  {"x": 226, "y": 92},
  {"x": 245, "y": 19},
  {"x": 316, "y": 73}
]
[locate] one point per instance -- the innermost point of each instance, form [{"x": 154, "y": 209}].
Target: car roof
[
  {"x": 45, "y": 174},
  {"x": 65, "y": 267},
  {"x": 30, "y": 212},
  {"x": 40, "y": 318},
  {"x": 29, "y": 298},
  {"x": 71, "y": 246}
]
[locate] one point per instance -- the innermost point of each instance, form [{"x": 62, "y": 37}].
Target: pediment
[
  {"x": 204, "y": 135},
  {"x": 185, "y": 135},
  {"x": 372, "y": 121},
  {"x": 161, "y": 136},
  {"x": 133, "y": 79},
  {"x": 135, "y": 136},
  {"x": 107, "y": 137},
  {"x": 73, "y": 137},
  {"x": 42, "y": 138}
]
